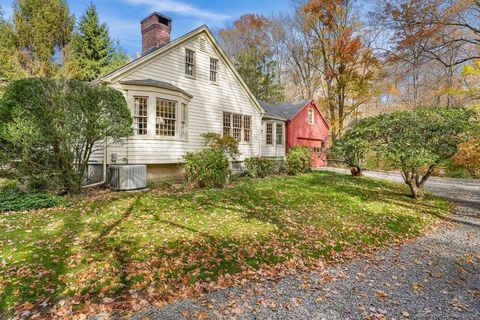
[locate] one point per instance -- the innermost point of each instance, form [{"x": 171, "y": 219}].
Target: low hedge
[{"x": 260, "y": 167}]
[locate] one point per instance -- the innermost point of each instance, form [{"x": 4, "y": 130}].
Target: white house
[{"x": 177, "y": 91}]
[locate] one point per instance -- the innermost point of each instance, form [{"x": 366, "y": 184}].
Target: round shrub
[
  {"x": 260, "y": 167},
  {"x": 299, "y": 160},
  {"x": 207, "y": 168}
]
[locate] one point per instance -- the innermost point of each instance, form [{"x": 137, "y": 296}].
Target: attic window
[
  {"x": 311, "y": 117},
  {"x": 213, "y": 70},
  {"x": 190, "y": 63}
]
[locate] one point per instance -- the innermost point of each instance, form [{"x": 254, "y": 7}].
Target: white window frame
[
  {"x": 247, "y": 132},
  {"x": 270, "y": 134},
  {"x": 214, "y": 63},
  {"x": 137, "y": 116},
  {"x": 192, "y": 63},
  {"x": 279, "y": 134},
  {"x": 229, "y": 127},
  {"x": 160, "y": 130},
  {"x": 184, "y": 121},
  {"x": 311, "y": 116},
  {"x": 153, "y": 94}
]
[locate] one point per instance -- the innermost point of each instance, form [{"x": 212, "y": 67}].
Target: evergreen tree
[
  {"x": 9, "y": 69},
  {"x": 92, "y": 52},
  {"x": 258, "y": 70},
  {"x": 43, "y": 29}
]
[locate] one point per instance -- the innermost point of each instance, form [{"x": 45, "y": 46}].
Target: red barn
[{"x": 305, "y": 126}]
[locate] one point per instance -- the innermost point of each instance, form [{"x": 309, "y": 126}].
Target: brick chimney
[{"x": 156, "y": 29}]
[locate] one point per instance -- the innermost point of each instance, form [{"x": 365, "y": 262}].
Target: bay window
[
  {"x": 166, "y": 117},
  {"x": 140, "y": 115}
]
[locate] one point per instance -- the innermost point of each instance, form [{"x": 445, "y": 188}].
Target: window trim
[
  {"x": 312, "y": 113},
  {"x": 184, "y": 121},
  {"x": 152, "y": 93},
  {"x": 135, "y": 116},
  {"x": 231, "y": 128},
  {"x": 175, "y": 120},
  {"x": 271, "y": 134},
  {"x": 279, "y": 142},
  {"x": 217, "y": 74},
  {"x": 194, "y": 64}
]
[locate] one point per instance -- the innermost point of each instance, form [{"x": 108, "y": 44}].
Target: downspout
[{"x": 104, "y": 179}]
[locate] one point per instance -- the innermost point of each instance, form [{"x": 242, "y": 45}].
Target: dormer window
[{"x": 190, "y": 63}]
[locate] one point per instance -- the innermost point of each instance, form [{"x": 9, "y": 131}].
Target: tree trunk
[
  {"x": 415, "y": 182},
  {"x": 417, "y": 191},
  {"x": 356, "y": 171}
]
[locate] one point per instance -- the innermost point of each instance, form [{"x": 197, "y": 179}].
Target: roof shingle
[{"x": 284, "y": 111}]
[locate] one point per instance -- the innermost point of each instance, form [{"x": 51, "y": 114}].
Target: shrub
[
  {"x": 227, "y": 144},
  {"x": 13, "y": 200},
  {"x": 208, "y": 168},
  {"x": 260, "y": 167},
  {"x": 6, "y": 184},
  {"x": 48, "y": 129},
  {"x": 299, "y": 160}
]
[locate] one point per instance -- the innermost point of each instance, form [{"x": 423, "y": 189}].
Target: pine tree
[
  {"x": 258, "y": 70},
  {"x": 92, "y": 51},
  {"x": 9, "y": 68},
  {"x": 43, "y": 29}
]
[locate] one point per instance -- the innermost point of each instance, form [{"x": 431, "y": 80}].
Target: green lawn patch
[{"x": 170, "y": 240}]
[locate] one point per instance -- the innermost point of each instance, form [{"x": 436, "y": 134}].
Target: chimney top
[
  {"x": 156, "y": 30},
  {"x": 158, "y": 14}
]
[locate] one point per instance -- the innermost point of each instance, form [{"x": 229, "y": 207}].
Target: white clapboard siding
[{"x": 205, "y": 109}]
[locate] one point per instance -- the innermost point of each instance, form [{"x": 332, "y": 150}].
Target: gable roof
[
  {"x": 284, "y": 111},
  {"x": 147, "y": 58}
]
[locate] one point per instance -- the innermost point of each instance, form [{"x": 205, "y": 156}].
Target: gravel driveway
[{"x": 435, "y": 277}]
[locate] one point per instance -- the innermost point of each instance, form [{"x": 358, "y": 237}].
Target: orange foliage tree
[{"x": 348, "y": 67}]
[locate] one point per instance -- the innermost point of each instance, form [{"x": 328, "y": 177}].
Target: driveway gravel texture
[{"x": 434, "y": 277}]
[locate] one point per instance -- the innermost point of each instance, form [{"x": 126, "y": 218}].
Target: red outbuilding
[{"x": 305, "y": 126}]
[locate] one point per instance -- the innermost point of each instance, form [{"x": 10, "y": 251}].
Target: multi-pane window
[
  {"x": 310, "y": 116},
  {"x": 184, "y": 120},
  {"x": 213, "y": 70},
  {"x": 279, "y": 133},
  {"x": 190, "y": 63},
  {"x": 237, "y": 127},
  {"x": 269, "y": 134},
  {"x": 140, "y": 115},
  {"x": 247, "y": 128},
  {"x": 166, "y": 117},
  {"x": 227, "y": 124}
]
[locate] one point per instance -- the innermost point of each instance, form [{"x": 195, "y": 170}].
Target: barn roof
[{"x": 284, "y": 111}]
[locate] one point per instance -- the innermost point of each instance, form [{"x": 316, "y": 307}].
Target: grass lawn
[{"x": 105, "y": 245}]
